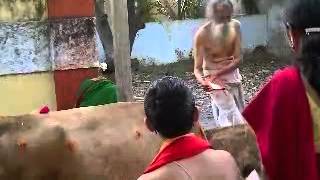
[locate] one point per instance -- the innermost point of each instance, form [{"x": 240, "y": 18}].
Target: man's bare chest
[{"x": 220, "y": 37}]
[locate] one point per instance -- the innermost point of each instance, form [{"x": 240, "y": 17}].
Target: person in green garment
[{"x": 97, "y": 91}]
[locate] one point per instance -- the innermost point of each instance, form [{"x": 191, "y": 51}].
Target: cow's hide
[
  {"x": 94, "y": 143},
  {"x": 240, "y": 141}
]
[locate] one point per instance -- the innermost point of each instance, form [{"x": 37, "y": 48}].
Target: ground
[{"x": 256, "y": 67}]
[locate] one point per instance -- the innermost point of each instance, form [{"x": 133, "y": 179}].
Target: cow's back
[{"x": 106, "y": 142}]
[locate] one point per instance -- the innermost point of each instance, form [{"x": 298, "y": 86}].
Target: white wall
[{"x": 159, "y": 42}]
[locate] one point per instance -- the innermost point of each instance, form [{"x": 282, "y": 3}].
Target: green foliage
[
  {"x": 40, "y": 8},
  {"x": 161, "y": 9},
  {"x": 189, "y": 9},
  {"x": 22, "y": 10},
  {"x": 250, "y": 6},
  {"x": 149, "y": 10},
  {"x": 146, "y": 10},
  {"x": 260, "y": 6}
]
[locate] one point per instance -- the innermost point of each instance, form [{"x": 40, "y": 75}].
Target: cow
[{"x": 96, "y": 143}]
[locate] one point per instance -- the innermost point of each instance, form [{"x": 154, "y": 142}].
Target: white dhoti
[{"x": 227, "y": 104}]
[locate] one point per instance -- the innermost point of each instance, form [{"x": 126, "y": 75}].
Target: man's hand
[
  {"x": 214, "y": 78},
  {"x": 225, "y": 59},
  {"x": 205, "y": 83}
]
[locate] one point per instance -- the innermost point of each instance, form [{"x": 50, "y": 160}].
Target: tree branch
[
  {"x": 104, "y": 30},
  {"x": 169, "y": 10}
]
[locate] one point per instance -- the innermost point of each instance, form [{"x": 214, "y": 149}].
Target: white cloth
[
  {"x": 253, "y": 176},
  {"x": 225, "y": 110},
  {"x": 232, "y": 77},
  {"x": 227, "y": 104}
]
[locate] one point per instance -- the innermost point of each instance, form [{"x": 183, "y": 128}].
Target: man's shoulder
[
  {"x": 221, "y": 161},
  {"x": 202, "y": 30},
  {"x": 236, "y": 22},
  {"x": 145, "y": 177},
  {"x": 224, "y": 162},
  {"x": 216, "y": 158},
  {"x": 218, "y": 155},
  {"x": 206, "y": 26},
  {"x": 164, "y": 172}
]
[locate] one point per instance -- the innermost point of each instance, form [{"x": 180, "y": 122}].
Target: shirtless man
[
  {"x": 217, "y": 53},
  {"x": 171, "y": 113}
]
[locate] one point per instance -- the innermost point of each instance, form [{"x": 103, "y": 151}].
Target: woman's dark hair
[
  {"x": 302, "y": 15},
  {"x": 169, "y": 106}
]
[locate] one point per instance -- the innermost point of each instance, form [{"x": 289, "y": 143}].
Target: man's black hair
[{"x": 169, "y": 106}]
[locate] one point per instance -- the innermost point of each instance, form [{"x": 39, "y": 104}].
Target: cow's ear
[
  {"x": 196, "y": 114},
  {"x": 148, "y": 124}
]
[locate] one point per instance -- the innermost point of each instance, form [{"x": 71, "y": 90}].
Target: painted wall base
[
  {"x": 67, "y": 83},
  {"x": 22, "y": 94}
]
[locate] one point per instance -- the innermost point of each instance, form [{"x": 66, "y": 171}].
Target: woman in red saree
[{"x": 285, "y": 114}]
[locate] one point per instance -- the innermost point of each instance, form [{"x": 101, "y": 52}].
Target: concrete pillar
[{"x": 72, "y": 47}]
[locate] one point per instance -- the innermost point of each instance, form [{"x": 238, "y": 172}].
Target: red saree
[{"x": 281, "y": 117}]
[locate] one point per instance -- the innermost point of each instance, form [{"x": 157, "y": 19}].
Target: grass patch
[{"x": 154, "y": 71}]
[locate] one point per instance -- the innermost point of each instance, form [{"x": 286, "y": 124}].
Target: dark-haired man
[{"x": 171, "y": 113}]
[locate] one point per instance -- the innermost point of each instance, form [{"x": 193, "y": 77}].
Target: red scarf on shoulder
[
  {"x": 281, "y": 118},
  {"x": 181, "y": 148}
]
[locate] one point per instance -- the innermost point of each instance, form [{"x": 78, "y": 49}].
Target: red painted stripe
[
  {"x": 67, "y": 83},
  {"x": 70, "y": 8}
]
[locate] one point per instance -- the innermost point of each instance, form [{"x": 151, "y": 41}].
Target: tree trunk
[
  {"x": 169, "y": 9},
  {"x": 179, "y": 9},
  {"x": 104, "y": 30},
  {"x": 251, "y": 6},
  {"x": 132, "y": 22},
  {"x": 121, "y": 45},
  {"x": 135, "y": 21}
]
